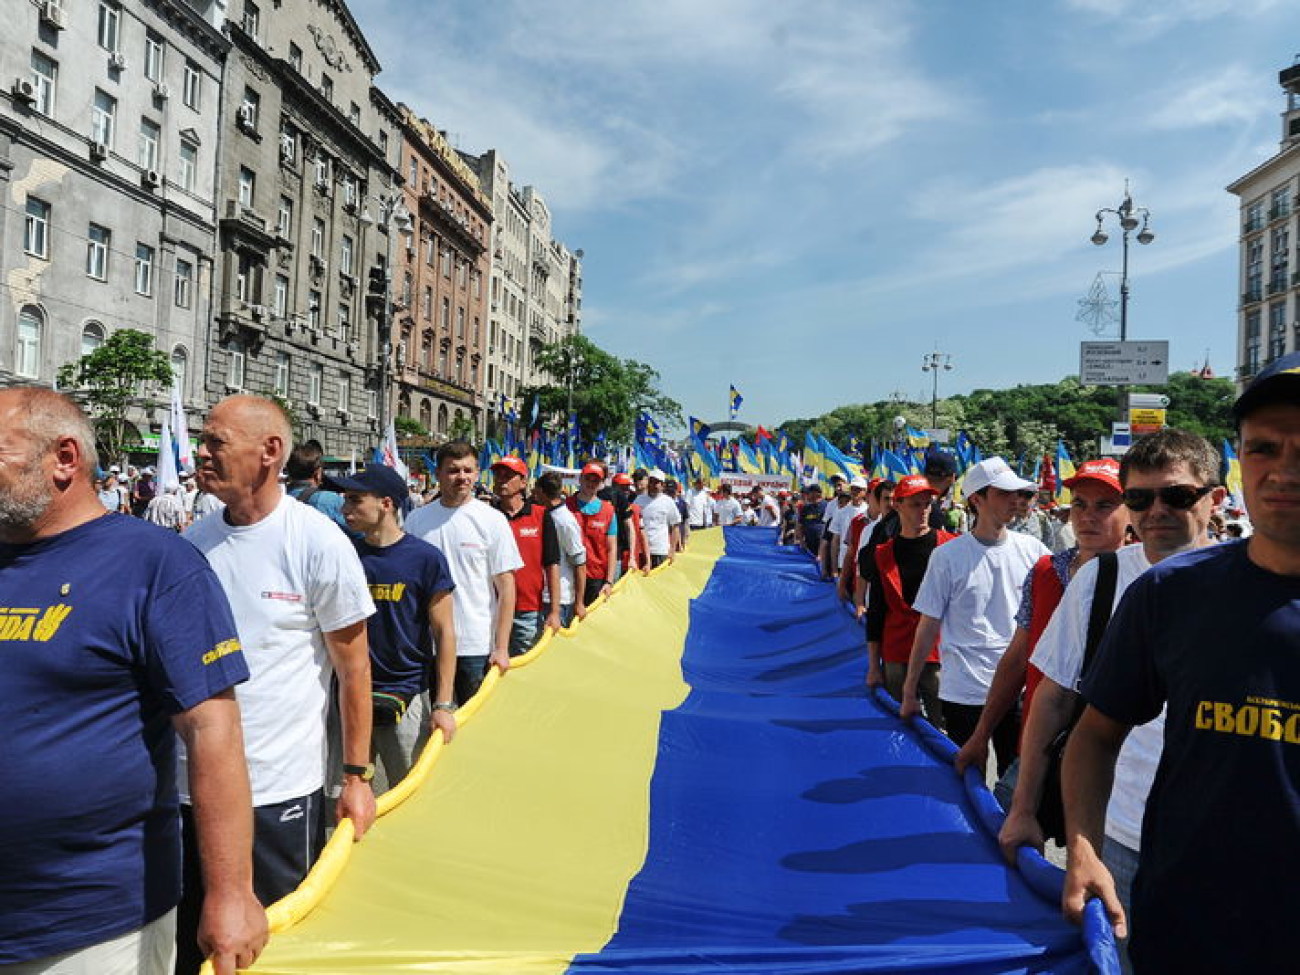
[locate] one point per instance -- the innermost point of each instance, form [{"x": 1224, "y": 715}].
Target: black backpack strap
[{"x": 1103, "y": 599}]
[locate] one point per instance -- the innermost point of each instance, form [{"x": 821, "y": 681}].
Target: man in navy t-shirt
[
  {"x": 1214, "y": 637},
  {"x": 412, "y": 628},
  {"x": 812, "y": 519},
  {"x": 99, "y": 671}
]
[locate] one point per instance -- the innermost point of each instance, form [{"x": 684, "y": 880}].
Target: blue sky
[{"x": 804, "y": 198}]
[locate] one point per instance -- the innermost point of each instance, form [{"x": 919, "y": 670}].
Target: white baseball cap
[{"x": 994, "y": 472}]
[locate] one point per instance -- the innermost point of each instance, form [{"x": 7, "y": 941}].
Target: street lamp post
[
  {"x": 932, "y": 362},
  {"x": 1127, "y": 215},
  {"x": 392, "y": 215}
]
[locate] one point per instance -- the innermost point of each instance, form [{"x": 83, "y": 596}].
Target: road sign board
[
  {"x": 1121, "y": 435},
  {"x": 1146, "y": 421},
  {"x": 1123, "y": 363},
  {"x": 1147, "y": 401}
]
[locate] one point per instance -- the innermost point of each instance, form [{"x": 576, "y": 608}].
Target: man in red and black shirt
[
  {"x": 539, "y": 547},
  {"x": 599, "y": 526}
]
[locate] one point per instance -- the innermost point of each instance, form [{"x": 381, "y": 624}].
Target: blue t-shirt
[
  {"x": 812, "y": 516},
  {"x": 1218, "y": 638},
  {"x": 326, "y": 502},
  {"x": 403, "y": 577},
  {"x": 106, "y": 631}
]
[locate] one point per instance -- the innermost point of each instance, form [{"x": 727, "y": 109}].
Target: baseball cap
[
  {"x": 656, "y": 475},
  {"x": 913, "y": 484},
  {"x": 858, "y": 482},
  {"x": 1103, "y": 471},
  {"x": 621, "y": 478},
  {"x": 993, "y": 472},
  {"x": 373, "y": 479},
  {"x": 593, "y": 468},
  {"x": 1279, "y": 380},
  {"x": 940, "y": 463},
  {"x": 512, "y": 464}
]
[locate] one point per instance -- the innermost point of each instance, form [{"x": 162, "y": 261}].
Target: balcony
[
  {"x": 1277, "y": 285},
  {"x": 1278, "y": 212},
  {"x": 1253, "y": 223}
]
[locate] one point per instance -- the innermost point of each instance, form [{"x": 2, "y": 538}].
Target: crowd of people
[{"x": 250, "y": 678}]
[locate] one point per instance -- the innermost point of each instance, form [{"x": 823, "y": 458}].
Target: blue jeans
[
  {"x": 1122, "y": 864},
  {"x": 470, "y": 672},
  {"x": 566, "y": 613},
  {"x": 525, "y": 631}
]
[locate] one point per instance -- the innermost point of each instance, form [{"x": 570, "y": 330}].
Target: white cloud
[
  {"x": 1158, "y": 15},
  {"x": 1234, "y": 94}
]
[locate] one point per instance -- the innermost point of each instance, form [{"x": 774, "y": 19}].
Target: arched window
[
  {"x": 92, "y": 337},
  {"x": 31, "y": 330},
  {"x": 180, "y": 367},
  {"x": 404, "y": 405},
  {"x": 442, "y": 420},
  {"x": 426, "y": 413}
]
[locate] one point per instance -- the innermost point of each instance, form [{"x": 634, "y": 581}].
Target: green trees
[
  {"x": 106, "y": 380},
  {"x": 608, "y": 392}
]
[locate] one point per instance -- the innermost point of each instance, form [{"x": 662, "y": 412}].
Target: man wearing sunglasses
[
  {"x": 1168, "y": 486},
  {"x": 1212, "y": 637}
]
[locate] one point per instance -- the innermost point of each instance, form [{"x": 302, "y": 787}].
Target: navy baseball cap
[
  {"x": 374, "y": 479},
  {"x": 1278, "y": 382}
]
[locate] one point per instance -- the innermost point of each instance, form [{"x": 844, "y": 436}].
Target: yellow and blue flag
[
  {"x": 734, "y": 401},
  {"x": 1231, "y": 472}
]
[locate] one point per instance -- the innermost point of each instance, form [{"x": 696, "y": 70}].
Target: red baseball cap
[
  {"x": 593, "y": 468},
  {"x": 913, "y": 484},
  {"x": 1104, "y": 471},
  {"x": 621, "y": 478},
  {"x": 513, "y": 464}
]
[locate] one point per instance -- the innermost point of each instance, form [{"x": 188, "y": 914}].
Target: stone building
[
  {"x": 108, "y": 151},
  {"x": 308, "y": 144},
  {"x": 440, "y": 285},
  {"x": 1268, "y": 318}
]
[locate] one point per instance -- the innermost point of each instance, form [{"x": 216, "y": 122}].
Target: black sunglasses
[{"x": 1181, "y": 497}]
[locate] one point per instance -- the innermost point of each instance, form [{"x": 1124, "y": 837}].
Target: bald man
[
  {"x": 96, "y": 670},
  {"x": 301, "y": 601}
]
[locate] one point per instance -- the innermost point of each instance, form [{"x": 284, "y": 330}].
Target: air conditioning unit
[
  {"x": 117, "y": 61},
  {"x": 151, "y": 178},
  {"x": 258, "y": 312},
  {"x": 24, "y": 90},
  {"x": 98, "y": 151},
  {"x": 244, "y": 117},
  {"x": 53, "y": 14},
  {"x": 160, "y": 90}
]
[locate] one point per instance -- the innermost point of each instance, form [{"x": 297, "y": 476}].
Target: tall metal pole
[
  {"x": 1127, "y": 215},
  {"x": 932, "y": 362},
  {"x": 386, "y": 326}
]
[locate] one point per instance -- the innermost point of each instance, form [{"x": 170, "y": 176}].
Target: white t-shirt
[
  {"x": 573, "y": 552},
  {"x": 729, "y": 511},
  {"x": 206, "y": 504},
  {"x": 769, "y": 512},
  {"x": 658, "y": 515},
  {"x": 973, "y": 589},
  {"x": 841, "y": 519},
  {"x": 699, "y": 508},
  {"x": 867, "y": 530},
  {"x": 1059, "y": 655},
  {"x": 478, "y": 544},
  {"x": 290, "y": 578}
]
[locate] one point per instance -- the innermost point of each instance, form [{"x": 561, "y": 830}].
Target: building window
[
  {"x": 317, "y": 237},
  {"x": 247, "y": 184},
  {"x": 460, "y": 323},
  {"x": 313, "y": 309},
  {"x": 110, "y": 19},
  {"x": 189, "y": 165},
  {"x": 315, "y": 379},
  {"x": 446, "y": 262},
  {"x": 446, "y": 314},
  {"x": 284, "y": 218},
  {"x": 461, "y": 269},
  {"x": 442, "y": 360},
  {"x": 295, "y": 57},
  {"x": 1276, "y": 330},
  {"x": 143, "y": 269},
  {"x": 45, "y": 77},
  {"x": 146, "y": 154},
  {"x": 36, "y": 228},
  {"x": 153, "y": 57},
  {"x": 281, "y": 296},
  {"x": 322, "y": 171},
  {"x": 372, "y": 403},
  {"x": 383, "y": 142},
  {"x": 288, "y": 143},
  {"x": 281, "y": 381},
  {"x": 183, "y": 286},
  {"x": 97, "y": 243},
  {"x": 192, "y": 92},
  {"x": 345, "y": 393},
  {"x": 31, "y": 323},
  {"x": 1253, "y": 348},
  {"x": 252, "y": 19},
  {"x": 249, "y": 110},
  {"x": 102, "y": 113},
  {"x": 235, "y": 365},
  {"x": 327, "y": 86},
  {"x": 426, "y": 304},
  {"x": 349, "y": 190},
  {"x": 180, "y": 367},
  {"x": 345, "y": 322},
  {"x": 345, "y": 255},
  {"x": 354, "y": 114},
  {"x": 414, "y": 180},
  {"x": 92, "y": 337},
  {"x": 430, "y": 245},
  {"x": 1254, "y": 268}
]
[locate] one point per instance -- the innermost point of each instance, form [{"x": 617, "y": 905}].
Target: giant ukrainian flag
[{"x": 692, "y": 781}]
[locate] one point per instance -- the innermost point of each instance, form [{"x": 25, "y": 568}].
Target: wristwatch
[
  {"x": 364, "y": 772},
  {"x": 451, "y": 707}
]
